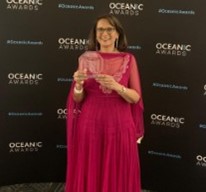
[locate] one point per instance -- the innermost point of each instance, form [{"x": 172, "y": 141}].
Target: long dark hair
[{"x": 122, "y": 41}]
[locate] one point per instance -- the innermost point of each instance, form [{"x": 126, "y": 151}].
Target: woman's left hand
[
  {"x": 107, "y": 81},
  {"x": 139, "y": 140}
]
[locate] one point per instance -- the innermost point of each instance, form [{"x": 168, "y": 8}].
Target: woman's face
[{"x": 106, "y": 34}]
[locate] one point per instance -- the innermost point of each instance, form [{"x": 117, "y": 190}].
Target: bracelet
[
  {"x": 78, "y": 91},
  {"x": 123, "y": 89}
]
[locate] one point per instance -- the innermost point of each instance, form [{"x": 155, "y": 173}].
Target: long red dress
[{"x": 102, "y": 153}]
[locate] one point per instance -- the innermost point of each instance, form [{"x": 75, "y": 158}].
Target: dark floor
[
  {"x": 34, "y": 187},
  {"x": 37, "y": 187}
]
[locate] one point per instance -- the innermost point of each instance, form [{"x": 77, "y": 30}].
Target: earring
[
  {"x": 96, "y": 46},
  {"x": 116, "y": 43}
]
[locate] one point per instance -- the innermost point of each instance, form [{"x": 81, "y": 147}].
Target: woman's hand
[
  {"x": 79, "y": 77},
  {"x": 139, "y": 140},
  {"x": 107, "y": 81}
]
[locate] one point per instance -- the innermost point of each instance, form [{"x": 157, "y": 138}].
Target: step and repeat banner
[{"x": 40, "y": 41}]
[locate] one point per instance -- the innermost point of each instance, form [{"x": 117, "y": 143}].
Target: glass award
[{"x": 92, "y": 62}]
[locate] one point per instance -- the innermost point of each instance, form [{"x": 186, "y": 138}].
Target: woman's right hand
[{"x": 80, "y": 76}]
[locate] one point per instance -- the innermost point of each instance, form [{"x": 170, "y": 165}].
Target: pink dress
[{"x": 102, "y": 153}]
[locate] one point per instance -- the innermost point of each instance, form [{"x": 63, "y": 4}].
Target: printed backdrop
[{"x": 40, "y": 41}]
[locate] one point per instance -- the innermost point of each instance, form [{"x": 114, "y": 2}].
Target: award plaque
[{"x": 92, "y": 62}]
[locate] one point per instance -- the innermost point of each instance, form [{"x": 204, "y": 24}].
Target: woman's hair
[{"x": 122, "y": 40}]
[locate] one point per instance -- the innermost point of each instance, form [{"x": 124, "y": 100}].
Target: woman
[{"x": 105, "y": 115}]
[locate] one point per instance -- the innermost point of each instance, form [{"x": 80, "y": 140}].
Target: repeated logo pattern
[{"x": 40, "y": 46}]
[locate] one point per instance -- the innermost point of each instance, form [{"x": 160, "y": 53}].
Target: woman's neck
[{"x": 109, "y": 50}]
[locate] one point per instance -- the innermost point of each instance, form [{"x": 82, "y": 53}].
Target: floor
[
  {"x": 34, "y": 187},
  {"x": 37, "y": 187}
]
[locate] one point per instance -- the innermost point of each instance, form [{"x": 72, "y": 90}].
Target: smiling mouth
[{"x": 105, "y": 40}]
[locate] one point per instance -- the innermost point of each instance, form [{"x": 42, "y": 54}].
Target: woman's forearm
[{"x": 130, "y": 95}]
